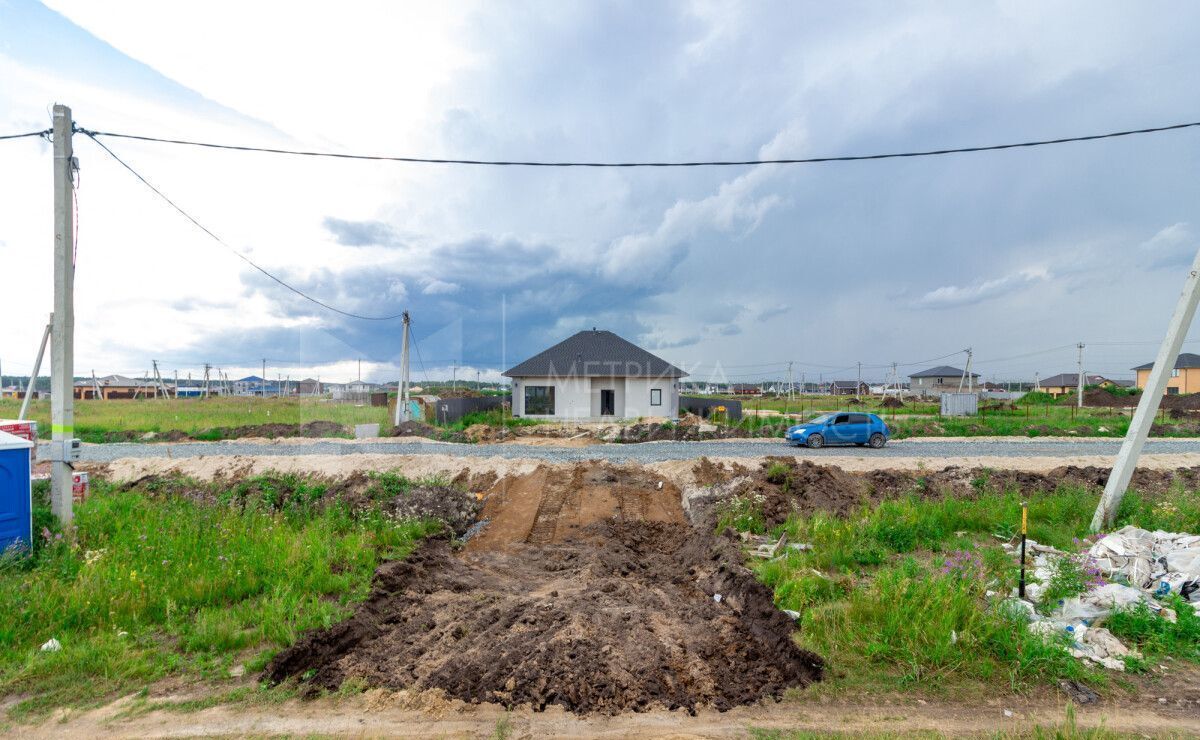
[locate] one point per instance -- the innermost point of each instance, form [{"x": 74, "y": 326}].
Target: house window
[
  {"x": 656, "y": 396},
  {"x": 1175, "y": 373},
  {"x": 539, "y": 400},
  {"x": 1172, "y": 391}
]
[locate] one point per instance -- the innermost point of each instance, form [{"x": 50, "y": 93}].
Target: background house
[
  {"x": 114, "y": 387},
  {"x": 1185, "y": 376},
  {"x": 595, "y": 375},
  {"x": 938, "y": 380},
  {"x": 1064, "y": 383},
  {"x": 848, "y": 388}
]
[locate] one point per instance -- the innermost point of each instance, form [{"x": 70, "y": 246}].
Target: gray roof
[
  {"x": 1185, "y": 360},
  {"x": 941, "y": 371},
  {"x": 595, "y": 354},
  {"x": 1071, "y": 380}
]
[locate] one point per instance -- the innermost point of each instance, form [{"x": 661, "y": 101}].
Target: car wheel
[
  {"x": 877, "y": 440},
  {"x": 816, "y": 441}
]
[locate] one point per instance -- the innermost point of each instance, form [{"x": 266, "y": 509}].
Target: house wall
[
  {"x": 617, "y": 386},
  {"x": 637, "y": 397},
  {"x": 1188, "y": 380},
  {"x": 572, "y": 397},
  {"x": 579, "y": 398}
]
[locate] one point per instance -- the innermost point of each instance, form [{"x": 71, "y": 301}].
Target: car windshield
[{"x": 820, "y": 419}]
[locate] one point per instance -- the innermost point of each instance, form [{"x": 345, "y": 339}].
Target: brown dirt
[
  {"x": 1104, "y": 398},
  {"x": 588, "y": 589},
  {"x": 892, "y": 402},
  {"x": 785, "y": 485}
]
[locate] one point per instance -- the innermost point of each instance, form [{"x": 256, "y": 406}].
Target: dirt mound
[
  {"x": 584, "y": 587},
  {"x": 627, "y": 626},
  {"x": 1103, "y": 398},
  {"x": 553, "y": 504},
  {"x": 783, "y": 486},
  {"x": 892, "y": 402},
  {"x": 454, "y": 505},
  {"x": 412, "y": 429},
  {"x": 1186, "y": 402},
  {"x": 270, "y": 431}
]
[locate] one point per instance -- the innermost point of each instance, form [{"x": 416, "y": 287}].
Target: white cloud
[{"x": 953, "y": 296}]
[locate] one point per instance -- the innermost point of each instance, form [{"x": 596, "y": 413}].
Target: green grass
[
  {"x": 894, "y": 596},
  {"x": 147, "y": 585},
  {"x": 491, "y": 417},
  {"x": 95, "y": 419}
]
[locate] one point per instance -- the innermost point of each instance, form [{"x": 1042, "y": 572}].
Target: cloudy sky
[{"x": 1018, "y": 254}]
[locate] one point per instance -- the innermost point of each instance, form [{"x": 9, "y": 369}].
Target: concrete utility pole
[
  {"x": 207, "y": 368},
  {"x": 31, "y": 388},
  {"x": 791, "y": 383},
  {"x": 1079, "y": 379},
  {"x": 858, "y": 383},
  {"x": 966, "y": 376},
  {"x": 402, "y": 411},
  {"x": 1156, "y": 386},
  {"x": 62, "y": 354},
  {"x": 263, "y": 385}
]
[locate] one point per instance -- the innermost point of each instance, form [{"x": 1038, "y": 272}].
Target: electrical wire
[
  {"x": 223, "y": 243},
  {"x": 702, "y": 163},
  {"x": 45, "y": 132}
]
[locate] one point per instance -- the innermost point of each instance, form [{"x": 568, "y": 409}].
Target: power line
[
  {"x": 223, "y": 243},
  {"x": 43, "y": 133},
  {"x": 702, "y": 163}
]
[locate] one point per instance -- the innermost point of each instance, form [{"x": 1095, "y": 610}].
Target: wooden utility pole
[
  {"x": 1156, "y": 386},
  {"x": 62, "y": 354}
]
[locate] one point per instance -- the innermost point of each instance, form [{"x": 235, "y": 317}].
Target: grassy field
[
  {"x": 895, "y": 596},
  {"x": 96, "y": 419},
  {"x": 200, "y": 583},
  {"x": 148, "y": 585}
]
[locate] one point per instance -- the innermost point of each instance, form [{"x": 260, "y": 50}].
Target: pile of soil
[
  {"x": 271, "y": 431},
  {"x": 456, "y": 505},
  {"x": 1103, "y": 398},
  {"x": 784, "y": 486},
  {"x": 1186, "y": 402},
  {"x": 586, "y": 588},
  {"x": 628, "y": 622},
  {"x": 892, "y": 402}
]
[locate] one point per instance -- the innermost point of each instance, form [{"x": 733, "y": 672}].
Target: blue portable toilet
[{"x": 16, "y": 511}]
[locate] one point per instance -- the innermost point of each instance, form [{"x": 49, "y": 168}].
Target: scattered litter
[
  {"x": 1008, "y": 713},
  {"x": 1139, "y": 566},
  {"x": 237, "y": 671},
  {"x": 717, "y": 598},
  {"x": 794, "y": 616},
  {"x": 1160, "y": 562},
  {"x": 51, "y": 646}
]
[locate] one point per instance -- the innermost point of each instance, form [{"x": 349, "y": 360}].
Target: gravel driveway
[{"x": 645, "y": 452}]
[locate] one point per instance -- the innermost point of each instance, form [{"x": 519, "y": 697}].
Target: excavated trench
[{"x": 587, "y": 588}]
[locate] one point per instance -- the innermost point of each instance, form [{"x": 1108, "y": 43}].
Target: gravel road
[{"x": 645, "y": 452}]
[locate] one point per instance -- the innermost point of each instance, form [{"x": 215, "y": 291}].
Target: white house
[{"x": 595, "y": 375}]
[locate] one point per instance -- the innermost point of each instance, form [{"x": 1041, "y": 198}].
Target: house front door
[{"x": 608, "y": 402}]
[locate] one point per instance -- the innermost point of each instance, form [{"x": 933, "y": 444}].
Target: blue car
[{"x": 846, "y": 428}]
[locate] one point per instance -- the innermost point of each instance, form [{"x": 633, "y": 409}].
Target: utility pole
[
  {"x": 402, "y": 412},
  {"x": 966, "y": 376},
  {"x": 31, "y": 388},
  {"x": 359, "y": 370},
  {"x": 1079, "y": 393},
  {"x": 791, "y": 383},
  {"x": 1156, "y": 386},
  {"x": 263, "y": 385},
  {"x": 858, "y": 383},
  {"x": 62, "y": 355},
  {"x": 207, "y": 367}
]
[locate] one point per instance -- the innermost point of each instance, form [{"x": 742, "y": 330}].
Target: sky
[{"x": 730, "y": 273}]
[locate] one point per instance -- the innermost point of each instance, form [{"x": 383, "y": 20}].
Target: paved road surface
[{"x": 644, "y": 452}]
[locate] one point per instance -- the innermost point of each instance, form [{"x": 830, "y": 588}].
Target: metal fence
[
  {"x": 705, "y": 407},
  {"x": 450, "y": 410},
  {"x": 960, "y": 404}
]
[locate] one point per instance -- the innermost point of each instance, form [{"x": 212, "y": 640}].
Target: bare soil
[
  {"x": 787, "y": 486},
  {"x": 594, "y": 594}
]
